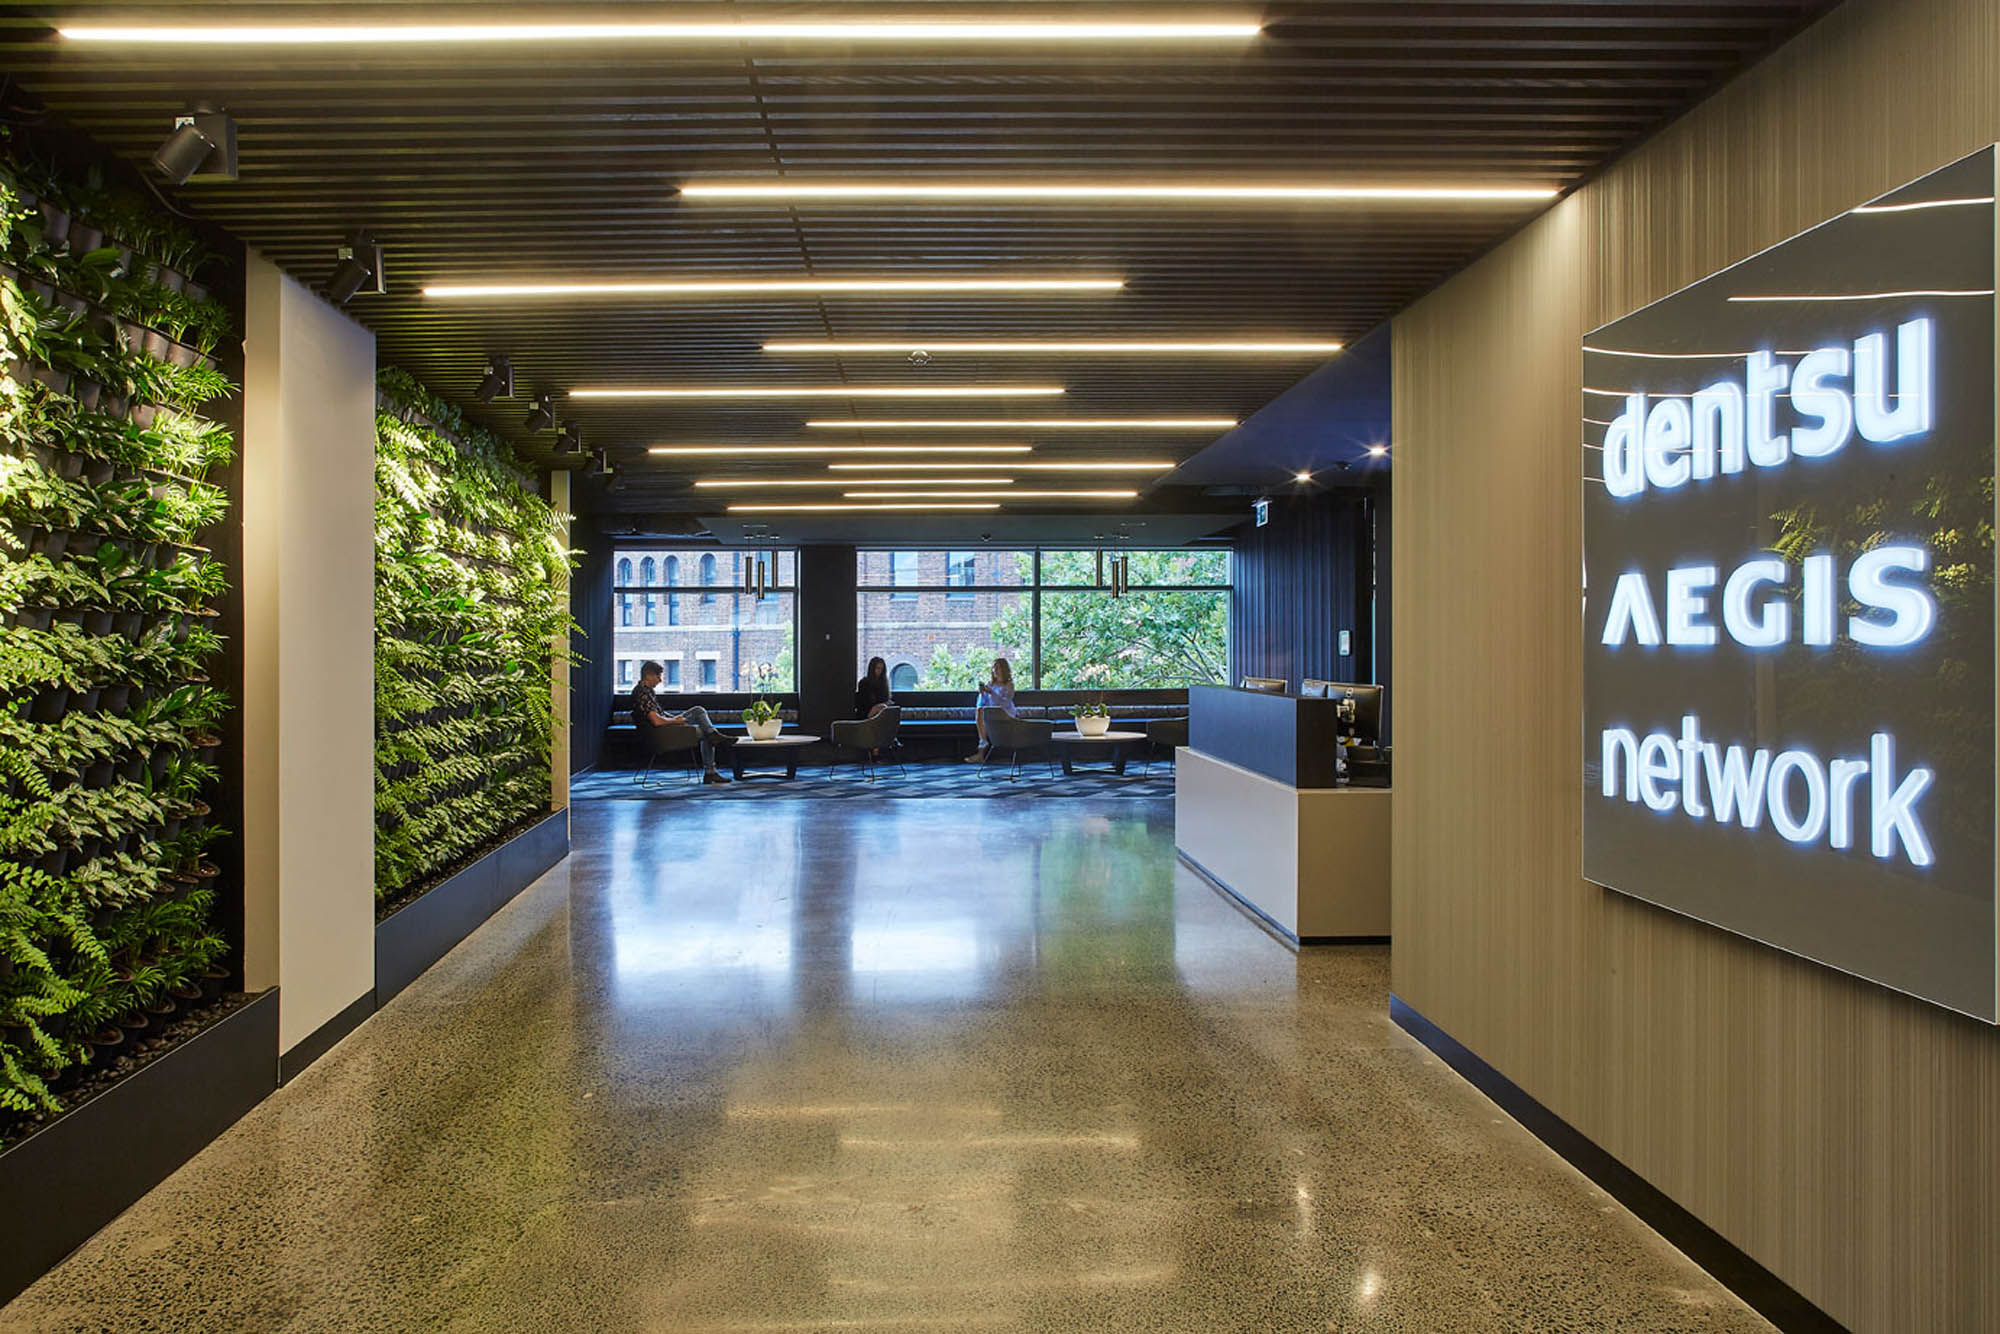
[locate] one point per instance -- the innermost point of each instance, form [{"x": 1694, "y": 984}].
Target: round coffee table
[
  {"x": 782, "y": 749},
  {"x": 1075, "y": 749}
]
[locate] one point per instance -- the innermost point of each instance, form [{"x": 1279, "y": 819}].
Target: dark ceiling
[{"x": 479, "y": 163}]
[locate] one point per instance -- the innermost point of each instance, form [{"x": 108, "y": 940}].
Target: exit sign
[{"x": 1263, "y": 509}]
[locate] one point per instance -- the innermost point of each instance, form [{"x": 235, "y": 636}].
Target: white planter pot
[
  {"x": 766, "y": 731},
  {"x": 1093, "y": 726}
]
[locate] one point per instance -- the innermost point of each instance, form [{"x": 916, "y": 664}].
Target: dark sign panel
[{"x": 1789, "y": 604}]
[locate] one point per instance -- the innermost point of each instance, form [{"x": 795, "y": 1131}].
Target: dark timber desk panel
[{"x": 1286, "y": 737}]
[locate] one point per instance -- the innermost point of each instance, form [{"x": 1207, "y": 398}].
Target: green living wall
[
  {"x": 109, "y": 721},
  {"x": 471, "y": 568}
]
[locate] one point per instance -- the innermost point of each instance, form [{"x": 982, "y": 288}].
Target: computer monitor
[
  {"x": 1312, "y": 689},
  {"x": 1367, "y": 707},
  {"x": 1270, "y": 685}
]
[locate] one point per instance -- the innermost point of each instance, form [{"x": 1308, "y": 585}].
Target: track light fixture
[
  {"x": 359, "y": 269},
  {"x": 202, "y": 146},
  {"x": 497, "y": 381},
  {"x": 542, "y": 416},
  {"x": 569, "y": 440}
]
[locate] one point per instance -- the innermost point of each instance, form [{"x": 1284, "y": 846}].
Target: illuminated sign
[
  {"x": 1789, "y": 663},
  {"x": 1263, "y": 511}
]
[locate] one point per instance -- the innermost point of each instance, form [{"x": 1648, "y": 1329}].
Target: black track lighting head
[
  {"x": 542, "y": 416},
  {"x": 359, "y": 268},
  {"x": 497, "y": 382},
  {"x": 598, "y": 465},
  {"x": 202, "y": 147},
  {"x": 569, "y": 440}
]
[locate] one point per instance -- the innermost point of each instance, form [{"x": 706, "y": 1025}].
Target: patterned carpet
[{"x": 920, "y": 782}]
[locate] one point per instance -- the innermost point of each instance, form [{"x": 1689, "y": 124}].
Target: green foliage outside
[
  {"x": 1091, "y": 640},
  {"x": 471, "y": 570},
  {"x": 108, "y": 720}
]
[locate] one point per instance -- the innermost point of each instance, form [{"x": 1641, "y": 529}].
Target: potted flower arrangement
[
  {"x": 761, "y": 719},
  {"x": 1093, "y": 716}
]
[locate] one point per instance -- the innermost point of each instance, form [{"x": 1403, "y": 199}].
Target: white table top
[
  {"x": 1075, "y": 737},
  {"x": 782, "y": 739}
]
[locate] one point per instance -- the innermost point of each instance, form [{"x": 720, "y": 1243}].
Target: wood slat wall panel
[{"x": 1845, "y": 1136}]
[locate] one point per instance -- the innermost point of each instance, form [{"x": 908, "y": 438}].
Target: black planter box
[
  {"x": 424, "y": 930},
  {"x": 74, "y": 1175}
]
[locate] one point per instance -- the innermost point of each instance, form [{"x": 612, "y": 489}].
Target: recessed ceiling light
[
  {"x": 1038, "y": 423},
  {"x": 773, "y": 287},
  {"x": 799, "y": 192},
  {"x": 1080, "y": 465},
  {"x": 1053, "y": 346},
  {"x": 772, "y": 451},
  {"x": 746, "y": 483},
  {"x": 1302, "y": 477},
  {"x": 835, "y": 391},
  {"x": 1377, "y": 451},
  {"x": 771, "y": 30},
  {"x": 1009, "y": 494},
  {"x": 822, "y": 509}
]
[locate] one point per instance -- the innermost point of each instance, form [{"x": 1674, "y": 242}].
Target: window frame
[{"x": 624, "y": 617}]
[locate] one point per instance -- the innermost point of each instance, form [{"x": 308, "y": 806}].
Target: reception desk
[{"x": 1256, "y": 812}]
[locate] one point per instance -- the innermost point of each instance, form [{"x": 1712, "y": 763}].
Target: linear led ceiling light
[
  {"x": 1009, "y": 494},
  {"x": 874, "y": 31},
  {"x": 835, "y": 391},
  {"x": 1081, "y": 465},
  {"x": 749, "y": 483},
  {"x": 774, "y": 451},
  {"x": 825, "y": 509},
  {"x": 1107, "y": 192},
  {"x": 1247, "y": 349},
  {"x": 774, "y": 287},
  {"x": 1038, "y": 424}
]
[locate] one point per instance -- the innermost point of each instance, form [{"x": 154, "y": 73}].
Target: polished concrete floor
[{"x": 919, "y": 1065}]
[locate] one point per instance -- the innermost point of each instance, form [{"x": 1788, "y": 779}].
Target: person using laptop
[{"x": 646, "y": 712}]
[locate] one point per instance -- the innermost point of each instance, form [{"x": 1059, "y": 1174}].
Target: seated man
[{"x": 646, "y": 712}]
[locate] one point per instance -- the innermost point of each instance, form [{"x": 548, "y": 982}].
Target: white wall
[{"x": 309, "y": 652}]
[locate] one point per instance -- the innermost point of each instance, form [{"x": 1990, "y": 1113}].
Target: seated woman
[
  {"x": 997, "y": 693},
  {"x": 871, "y": 695}
]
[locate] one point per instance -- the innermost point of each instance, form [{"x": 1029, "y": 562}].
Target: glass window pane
[
  {"x": 1081, "y": 569},
  {"x": 945, "y": 645},
  {"x": 714, "y": 638},
  {"x": 933, "y": 569},
  {"x": 961, "y": 571},
  {"x": 1091, "y": 640}
]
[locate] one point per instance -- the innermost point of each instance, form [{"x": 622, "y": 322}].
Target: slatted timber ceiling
[{"x": 483, "y": 163}]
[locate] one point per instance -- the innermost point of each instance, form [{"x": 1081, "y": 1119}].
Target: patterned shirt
[{"x": 644, "y": 705}]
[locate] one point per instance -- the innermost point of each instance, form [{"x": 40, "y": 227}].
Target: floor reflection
[{"x": 914, "y": 1065}]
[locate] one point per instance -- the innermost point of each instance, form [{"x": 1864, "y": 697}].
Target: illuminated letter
[
  {"x": 1911, "y": 611},
  {"x": 1775, "y": 626},
  {"x": 1691, "y": 768},
  {"x": 1892, "y": 814},
  {"x": 1624, "y": 466},
  {"x": 1718, "y": 429},
  {"x": 1813, "y": 397},
  {"x": 1687, "y": 598},
  {"x": 1842, "y": 775},
  {"x": 1632, "y": 612},
  {"x": 1798, "y": 829},
  {"x": 1767, "y": 446},
  {"x": 1912, "y": 414},
  {"x": 1818, "y": 590},
  {"x": 1658, "y": 761},
  {"x": 1667, "y": 443},
  {"x": 1736, "y": 789},
  {"x": 1620, "y": 741}
]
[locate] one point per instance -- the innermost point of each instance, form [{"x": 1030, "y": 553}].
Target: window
[
  {"x": 646, "y": 569},
  {"x": 903, "y": 572},
  {"x": 708, "y": 669},
  {"x": 624, "y": 671},
  {"x": 1052, "y": 615},
  {"x": 960, "y": 574},
  {"x": 624, "y": 573},
  {"x": 750, "y": 643},
  {"x": 707, "y": 577}
]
